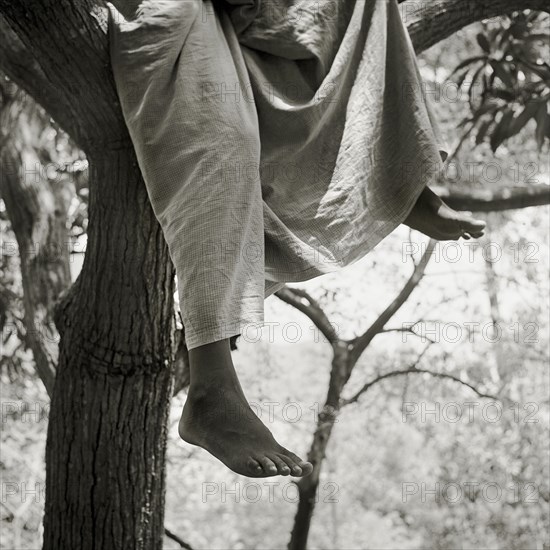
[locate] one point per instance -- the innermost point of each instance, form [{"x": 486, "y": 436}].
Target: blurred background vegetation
[{"x": 457, "y": 461}]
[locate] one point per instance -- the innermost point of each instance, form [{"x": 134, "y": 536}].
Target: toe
[
  {"x": 474, "y": 225},
  {"x": 268, "y": 466},
  {"x": 282, "y": 467},
  {"x": 300, "y": 467},
  {"x": 293, "y": 467},
  {"x": 254, "y": 467},
  {"x": 454, "y": 237},
  {"x": 307, "y": 468}
]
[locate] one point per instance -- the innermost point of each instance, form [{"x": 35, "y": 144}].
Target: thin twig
[
  {"x": 409, "y": 330},
  {"x": 415, "y": 370},
  {"x": 177, "y": 539}
]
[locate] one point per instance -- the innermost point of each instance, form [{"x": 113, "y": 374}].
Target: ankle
[
  {"x": 431, "y": 200},
  {"x": 198, "y": 392},
  {"x": 211, "y": 367}
]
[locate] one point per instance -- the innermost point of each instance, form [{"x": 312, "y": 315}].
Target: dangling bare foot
[
  {"x": 218, "y": 418},
  {"x": 431, "y": 216}
]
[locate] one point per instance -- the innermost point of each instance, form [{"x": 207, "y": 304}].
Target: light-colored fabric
[{"x": 278, "y": 141}]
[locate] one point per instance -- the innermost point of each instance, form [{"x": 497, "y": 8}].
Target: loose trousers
[{"x": 278, "y": 141}]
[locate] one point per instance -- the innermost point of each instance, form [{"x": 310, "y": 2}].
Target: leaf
[
  {"x": 461, "y": 80},
  {"x": 482, "y": 132},
  {"x": 519, "y": 28},
  {"x": 467, "y": 62},
  {"x": 523, "y": 118},
  {"x": 532, "y": 17},
  {"x": 491, "y": 80},
  {"x": 500, "y": 133},
  {"x": 465, "y": 121},
  {"x": 502, "y": 73},
  {"x": 542, "y": 121},
  {"x": 465, "y": 135},
  {"x": 538, "y": 38},
  {"x": 488, "y": 107},
  {"x": 492, "y": 35},
  {"x": 477, "y": 114},
  {"x": 506, "y": 95},
  {"x": 506, "y": 33},
  {"x": 483, "y": 42},
  {"x": 472, "y": 87},
  {"x": 539, "y": 70}
]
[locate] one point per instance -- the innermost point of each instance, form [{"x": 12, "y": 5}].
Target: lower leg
[
  {"x": 434, "y": 218},
  {"x": 218, "y": 418}
]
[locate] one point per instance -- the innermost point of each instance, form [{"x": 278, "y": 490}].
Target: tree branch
[
  {"x": 494, "y": 201},
  {"x": 295, "y": 297},
  {"x": 430, "y": 22},
  {"x": 65, "y": 66},
  {"x": 408, "y": 330},
  {"x": 360, "y": 343}
]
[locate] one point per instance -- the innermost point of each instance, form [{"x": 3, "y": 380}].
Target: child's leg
[
  {"x": 182, "y": 86},
  {"x": 218, "y": 418}
]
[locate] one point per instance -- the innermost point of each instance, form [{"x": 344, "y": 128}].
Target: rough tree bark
[{"x": 107, "y": 430}]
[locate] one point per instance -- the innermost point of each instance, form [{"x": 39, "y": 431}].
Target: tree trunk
[{"x": 105, "y": 453}]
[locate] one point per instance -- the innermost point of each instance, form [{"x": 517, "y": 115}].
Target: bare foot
[
  {"x": 218, "y": 418},
  {"x": 431, "y": 216}
]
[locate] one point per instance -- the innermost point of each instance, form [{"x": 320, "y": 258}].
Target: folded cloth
[{"x": 278, "y": 141}]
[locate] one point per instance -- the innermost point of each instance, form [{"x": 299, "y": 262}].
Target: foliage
[{"x": 509, "y": 82}]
